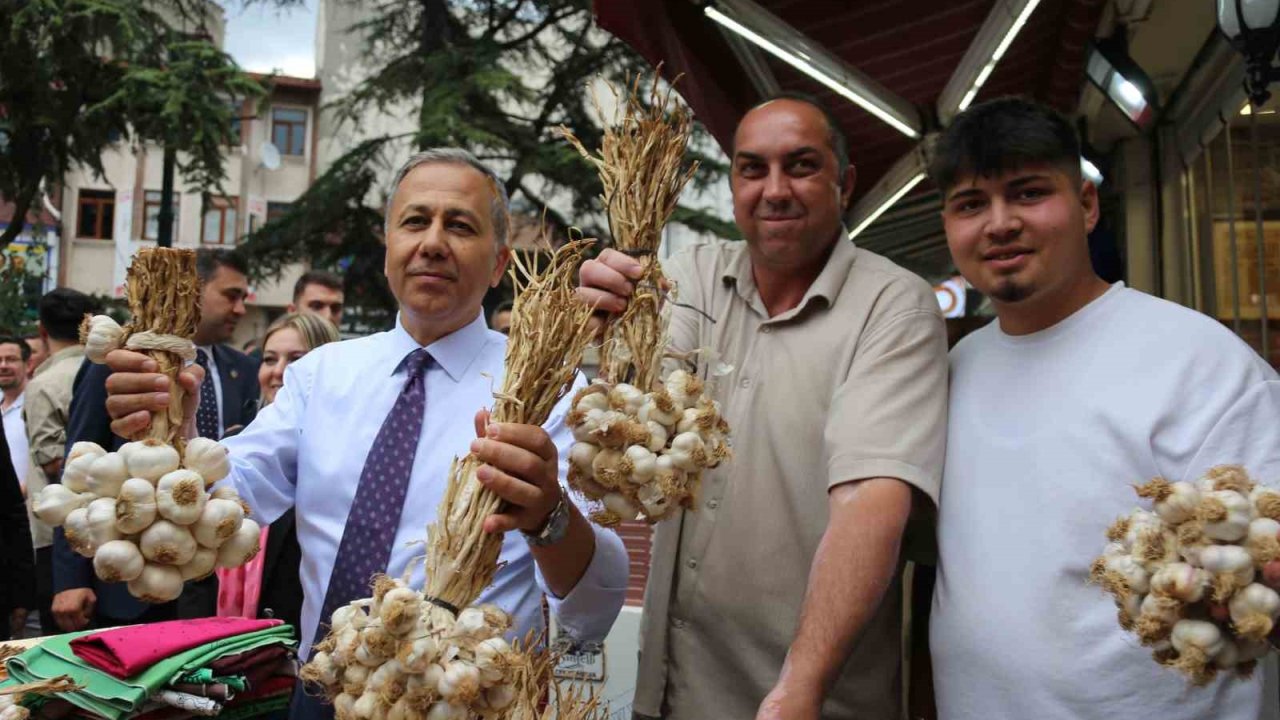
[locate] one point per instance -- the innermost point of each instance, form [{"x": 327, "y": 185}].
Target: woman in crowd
[{"x": 257, "y": 589}]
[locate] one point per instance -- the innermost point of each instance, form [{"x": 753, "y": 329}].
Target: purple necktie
[
  {"x": 207, "y": 424},
  {"x": 375, "y": 512}
]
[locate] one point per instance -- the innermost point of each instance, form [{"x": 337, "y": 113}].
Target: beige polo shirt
[
  {"x": 851, "y": 384},
  {"x": 47, "y": 409}
]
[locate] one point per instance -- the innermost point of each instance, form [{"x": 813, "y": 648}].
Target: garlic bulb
[
  {"x": 444, "y": 710},
  {"x": 180, "y": 496},
  {"x": 1135, "y": 577},
  {"x": 240, "y": 547},
  {"x": 1156, "y": 618},
  {"x": 101, "y": 335},
  {"x": 659, "y": 407},
  {"x": 167, "y": 543},
  {"x": 201, "y": 564},
  {"x": 582, "y": 454},
  {"x": 207, "y": 457},
  {"x": 106, "y": 474},
  {"x": 1226, "y": 515},
  {"x": 1232, "y": 569},
  {"x": 218, "y": 521},
  {"x": 1254, "y": 610},
  {"x": 643, "y": 464},
  {"x": 683, "y": 388},
  {"x": 54, "y": 503},
  {"x": 1175, "y": 502},
  {"x": 1197, "y": 642},
  {"x": 157, "y": 583},
  {"x": 619, "y": 505},
  {"x": 688, "y": 452},
  {"x": 626, "y": 398},
  {"x": 1181, "y": 582},
  {"x": 76, "y": 527},
  {"x": 351, "y": 615},
  {"x": 83, "y": 447},
  {"x": 593, "y": 397},
  {"x": 460, "y": 683},
  {"x": 399, "y": 610},
  {"x": 354, "y": 678},
  {"x": 101, "y": 519},
  {"x": 344, "y": 706},
  {"x": 135, "y": 506},
  {"x": 658, "y": 436},
  {"x": 368, "y": 706},
  {"x": 1266, "y": 501},
  {"x": 491, "y": 657},
  {"x": 75, "y": 473},
  {"x": 471, "y": 624},
  {"x": 1230, "y": 477},
  {"x": 118, "y": 561},
  {"x": 500, "y": 697},
  {"x": 416, "y": 655},
  {"x": 606, "y": 468},
  {"x": 149, "y": 459},
  {"x": 653, "y": 500},
  {"x": 1263, "y": 540}
]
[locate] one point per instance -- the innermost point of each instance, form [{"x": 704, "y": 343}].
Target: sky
[{"x": 264, "y": 39}]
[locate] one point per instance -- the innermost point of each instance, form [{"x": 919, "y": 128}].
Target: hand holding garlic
[{"x": 1192, "y": 579}]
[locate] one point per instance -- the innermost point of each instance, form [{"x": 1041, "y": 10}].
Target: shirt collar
[
  {"x": 17, "y": 404},
  {"x": 454, "y": 352},
  {"x": 826, "y": 286},
  {"x": 73, "y": 351}
]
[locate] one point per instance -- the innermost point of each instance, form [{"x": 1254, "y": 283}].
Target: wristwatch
[{"x": 554, "y": 529}]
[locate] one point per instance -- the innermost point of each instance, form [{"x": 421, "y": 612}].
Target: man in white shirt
[
  {"x": 1077, "y": 392},
  {"x": 14, "y": 354},
  {"x": 446, "y": 228}
]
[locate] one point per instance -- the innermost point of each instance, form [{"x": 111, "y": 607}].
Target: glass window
[
  {"x": 219, "y": 225},
  {"x": 289, "y": 130},
  {"x": 151, "y": 215},
  {"x": 95, "y": 210}
]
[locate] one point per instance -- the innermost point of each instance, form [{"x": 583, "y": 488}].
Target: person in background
[
  {"x": 39, "y": 352},
  {"x": 17, "y": 569},
  {"x": 229, "y": 397},
  {"x": 269, "y": 585},
  {"x": 500, "y": 318},
  {"x": 319, "y": 292},
  {"x": 14, "y": 354},
  {"x": 46, "y": 411}
]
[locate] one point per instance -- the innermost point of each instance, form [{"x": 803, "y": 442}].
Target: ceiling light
[
  {"x": 996, "y": 54},
  {"x": 806, "y": 62},
  {"x": 1090, "y": 172},
  {"x": 888, "y": 203}
]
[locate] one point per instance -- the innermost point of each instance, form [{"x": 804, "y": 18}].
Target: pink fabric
[
  {"x": 240, "y": 588},
  {"x": 125, "y": 652}
]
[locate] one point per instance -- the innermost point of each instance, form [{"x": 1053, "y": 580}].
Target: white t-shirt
[
  {"x": 15, "y": 433},
  {"x": 1048, "y": 434}
]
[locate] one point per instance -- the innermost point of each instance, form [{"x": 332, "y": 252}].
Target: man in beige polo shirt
[{"x": 778, "y": 596}]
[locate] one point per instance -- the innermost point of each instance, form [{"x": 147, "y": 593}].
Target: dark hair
[
  {"x": 23, "y": 348},
  {"x": 1000, "y": 135},
  {"x": 208, "y": 260},
  {"x": 62, "y": 310},
  {"x": 316, "y": 277},
  {"x": 504, "y": 306},
  {"x": 835, "y": 136}
]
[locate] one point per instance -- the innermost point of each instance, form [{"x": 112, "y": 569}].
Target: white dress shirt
[
  {"x": 307, "y": 449},
  {"x": 15, "y": 433}
]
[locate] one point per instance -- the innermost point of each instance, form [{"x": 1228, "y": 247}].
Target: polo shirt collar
[{"x": 826, "y": 286}]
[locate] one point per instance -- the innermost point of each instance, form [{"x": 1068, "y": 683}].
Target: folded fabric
[
  {"x": 125, "y": 652},
  {"x": 239, "y": 663},
  {"x": 109, "y": 697},
  {"x": 194, "y": 704}
]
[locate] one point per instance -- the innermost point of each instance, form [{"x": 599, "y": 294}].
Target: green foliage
[
  {"x": 80, "y": 75},
  {"x": 23, "y": 270},
  {"x": 494, "y": 76}
]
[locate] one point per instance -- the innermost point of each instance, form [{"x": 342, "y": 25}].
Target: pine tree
[
  {"x": 79, "y": 76},
  {"x": 494, "y": 76}
]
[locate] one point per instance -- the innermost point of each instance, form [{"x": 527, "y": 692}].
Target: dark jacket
[
  {"x": 17, "y": 559},
  {"x": 89, "y": 421}
]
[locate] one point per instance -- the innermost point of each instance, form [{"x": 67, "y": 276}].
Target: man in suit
[
  {"x": 229, "y": 397},
  {"x": 17, "y": 561}
]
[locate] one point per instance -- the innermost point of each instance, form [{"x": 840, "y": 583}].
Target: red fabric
[{"x": 125, "y": 652}]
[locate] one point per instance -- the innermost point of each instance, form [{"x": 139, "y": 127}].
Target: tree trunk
[
  {"x": 21, "y": 204},
  {"x": 164, "y": 237},
  {"x": 434, "y": 38}
]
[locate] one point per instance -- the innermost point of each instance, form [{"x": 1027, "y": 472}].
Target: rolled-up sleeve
[
  {"x": 587, "y": 612},
  {"x": 889, "y": 416},
  {"x": 46, "y": 427}
]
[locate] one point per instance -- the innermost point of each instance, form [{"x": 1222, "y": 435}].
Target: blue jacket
[{"x": 89, "y": 421}]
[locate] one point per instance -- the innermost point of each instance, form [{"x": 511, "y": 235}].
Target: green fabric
[
  {"x": 205, "y": 676},
  {"x": 257, "y": 707},
  {"x": 112, "y": 697}
]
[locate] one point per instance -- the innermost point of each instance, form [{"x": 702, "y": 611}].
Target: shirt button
[
  {"x": 713, "y": 503},
  {"x": 692, "y": 563},
  {"x": 678, "y": 624},
  {"x": 766, "y": 329},
  {"x": 745, "y": 382}
]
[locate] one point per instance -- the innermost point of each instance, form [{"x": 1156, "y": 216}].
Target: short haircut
[
  {"x": 24, "y": 349},
  {"x": 62, "y": 310},
  {"x": 323, "y": 278},
  {"x": 835, "y": 136},
  {"x": 1000, "y": 135},
  {"x": 500, "y": 207},
  {"x": 208, "y": 260},
  {"x": 315, "y": 330}
]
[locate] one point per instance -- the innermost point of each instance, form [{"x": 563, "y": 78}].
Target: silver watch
[{"x": 554, "y": 529}]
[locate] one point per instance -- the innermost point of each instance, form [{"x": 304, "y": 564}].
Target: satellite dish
[{"x": 270, "y": 155}]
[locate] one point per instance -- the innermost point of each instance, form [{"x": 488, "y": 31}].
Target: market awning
[{"x": 894, "y": 73}]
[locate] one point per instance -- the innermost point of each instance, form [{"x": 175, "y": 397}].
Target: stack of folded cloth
[{"x": 226, "y": 667}]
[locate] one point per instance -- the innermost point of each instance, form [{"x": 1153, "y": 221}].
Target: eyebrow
[
  {"x": 798, "y": 152},
  {"x": 448, "y": 212},
  {"x": 1015, "y": 183}
]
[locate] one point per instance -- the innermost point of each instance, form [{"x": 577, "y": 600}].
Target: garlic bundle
[
  {"x": 1183, "y": 576},
  {"x": 641, "y": 454},
  {"x": 397, "y": 655},
  {"x": 145, "y": 516}
]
